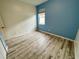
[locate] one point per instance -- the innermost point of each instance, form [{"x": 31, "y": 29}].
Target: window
[{"x": 42, "y": 17}]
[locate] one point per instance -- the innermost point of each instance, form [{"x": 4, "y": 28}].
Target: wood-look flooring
[{"x": 38, "y": 45}]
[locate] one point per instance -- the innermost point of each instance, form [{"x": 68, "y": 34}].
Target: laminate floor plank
[{"x": 38, "y": 45}]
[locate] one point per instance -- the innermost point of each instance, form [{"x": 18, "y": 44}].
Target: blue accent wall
[{"x": 61, "y": 17}]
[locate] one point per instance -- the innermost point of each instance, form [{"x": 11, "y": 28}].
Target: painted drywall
[
  {"x": 61, "y": 17},
  {"x": 76, "y": 45},
  {"x": 34, "y": 2},
  {"x": 2, "y": 49},
  {"x": 19, "y": 17}
]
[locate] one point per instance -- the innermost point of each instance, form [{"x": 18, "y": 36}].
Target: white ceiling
[{"x": 34, "y": 2}]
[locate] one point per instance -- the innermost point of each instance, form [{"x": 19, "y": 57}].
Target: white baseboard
[{"x": 56, "y": 35}]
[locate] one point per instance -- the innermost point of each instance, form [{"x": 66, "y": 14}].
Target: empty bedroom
[{"x": 39, "y": 29}]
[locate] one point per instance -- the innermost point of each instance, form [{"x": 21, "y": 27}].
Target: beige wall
[
  {"x": 77, "y": 46},
  {"x": 19, "y": 17}
]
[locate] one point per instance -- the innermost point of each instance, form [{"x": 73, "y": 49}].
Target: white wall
[
  {"x": 2, "y": 45},
  {"x": 2, "y": 51},
  {"x": 19, "y": 17},
  {"x": 76, "y": 44}
]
